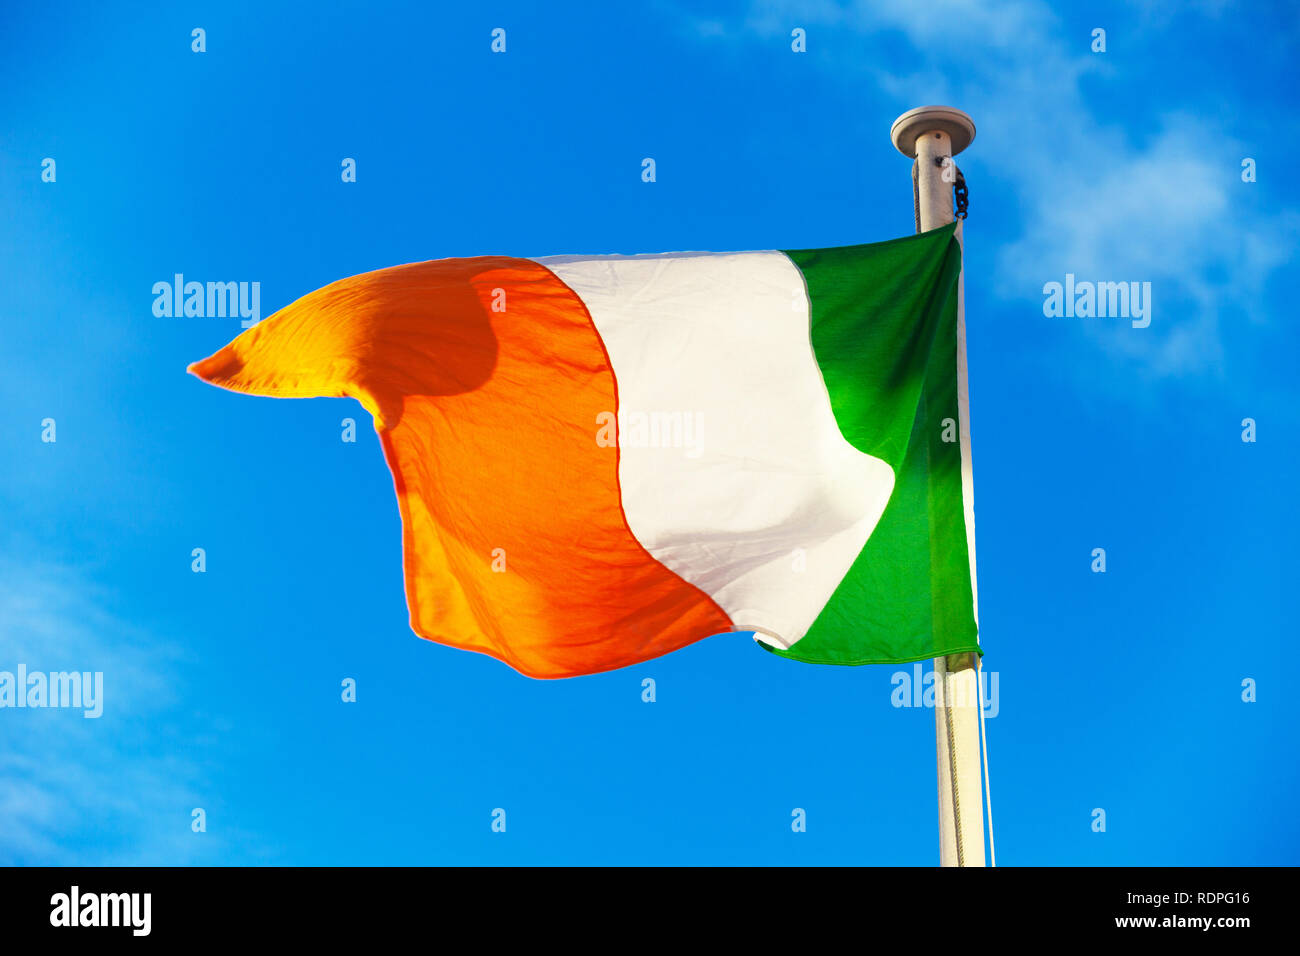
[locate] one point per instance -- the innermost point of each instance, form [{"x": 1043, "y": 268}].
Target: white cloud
[
  {"x": 89, "y": 791},
  {"x": 1094, "y": 198}
]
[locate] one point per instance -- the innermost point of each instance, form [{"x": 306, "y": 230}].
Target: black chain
[{"x": 960, "y": 194}]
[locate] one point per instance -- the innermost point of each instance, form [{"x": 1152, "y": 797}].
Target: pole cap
[{"x": 913, "y": 124}]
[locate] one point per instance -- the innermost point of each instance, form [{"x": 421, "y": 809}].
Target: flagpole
[{"x": 932, "y": 135}]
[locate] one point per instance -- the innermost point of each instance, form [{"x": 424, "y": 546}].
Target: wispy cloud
[
  {"x": 89, "y": 791},
  {"x": 1094, "y": 198}
]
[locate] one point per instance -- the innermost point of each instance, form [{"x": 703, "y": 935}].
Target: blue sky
[{"x": 1119, "y": 691}]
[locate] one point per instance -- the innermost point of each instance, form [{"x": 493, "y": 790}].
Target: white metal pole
[{"x": 932, "y": 135}]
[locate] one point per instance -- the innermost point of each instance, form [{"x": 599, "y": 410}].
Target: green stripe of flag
[{"x": 884, "y": 331}]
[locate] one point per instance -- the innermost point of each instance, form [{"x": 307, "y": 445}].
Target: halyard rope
[
  {"x": 952, "y": 764},
  {"x": 916, "y": 195},
  {"x": 984, "y": 740}
]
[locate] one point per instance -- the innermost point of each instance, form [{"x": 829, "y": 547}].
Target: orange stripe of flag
[{"x": 486, "y": 377}]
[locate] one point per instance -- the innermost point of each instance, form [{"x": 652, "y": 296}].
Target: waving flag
[{"x": 601, "y": 459}]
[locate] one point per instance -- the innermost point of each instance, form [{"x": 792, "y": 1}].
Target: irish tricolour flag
[{"x": 600, "y": 459}]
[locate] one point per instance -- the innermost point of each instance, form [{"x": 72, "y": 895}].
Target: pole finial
[{"x": 926, "y": 119}]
